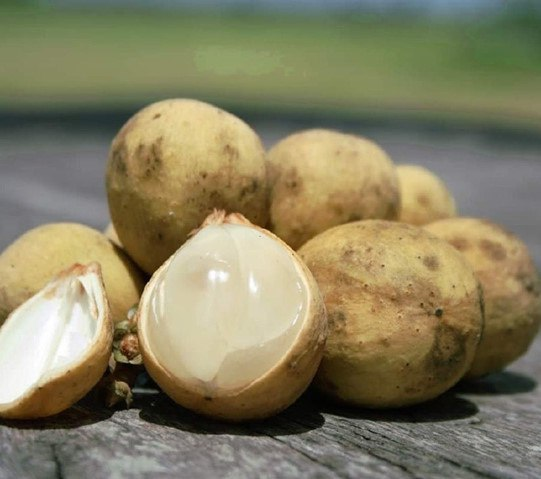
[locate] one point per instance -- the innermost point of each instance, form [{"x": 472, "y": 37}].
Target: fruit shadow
[
  {"x": 496, "y": 384},
  {"x": 303, "y": 416},
  {"x": 85, "y": 412},
  {"x": 447, "y": 407}
]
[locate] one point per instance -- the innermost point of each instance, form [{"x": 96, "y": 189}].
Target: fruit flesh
[
  {"x": 49, "y": 333},
  {"x": 227, "y": 308}
]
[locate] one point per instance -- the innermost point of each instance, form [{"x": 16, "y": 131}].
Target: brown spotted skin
[
  {"x": 404, "y": 313},
  {"x": 170, "y": 165},
  {"x": 322, "y": 178},
  {"x": 424, "y": 196},
  {"x": 510, "y": 284}
]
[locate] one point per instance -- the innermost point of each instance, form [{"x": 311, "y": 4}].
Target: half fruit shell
[{"x": 56, "y": 346}]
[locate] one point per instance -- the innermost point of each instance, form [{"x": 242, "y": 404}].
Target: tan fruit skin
[
  {"x": 170, "y": 165},
  {"x": 322, "y": 178},
  {"x": 41, "y": 253},
  {"x": 262, "y": 398},
  {"x": 424, "y": 196},
  {"x": 511, "y": 287},
  {"x": 57, "y": 393},
  {"x": 404, "y": 311}
]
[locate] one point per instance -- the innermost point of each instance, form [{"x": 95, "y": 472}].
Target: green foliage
[
  {"x": 81, "y": 58},
  {"x": 523, "y": 16}
]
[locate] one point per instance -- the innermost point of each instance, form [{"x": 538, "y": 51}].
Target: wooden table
[{"x": 490, "y": 428}]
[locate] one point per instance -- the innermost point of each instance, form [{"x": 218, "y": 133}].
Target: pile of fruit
[{"x": 257, "y": 273}]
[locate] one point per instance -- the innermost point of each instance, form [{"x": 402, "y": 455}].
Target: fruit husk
[
  {"x": 405, "y": 313},
  {"x": 64, "y": 389},
  {"x": 511, "y": 285},
  {"x": 265, "y": 396}
]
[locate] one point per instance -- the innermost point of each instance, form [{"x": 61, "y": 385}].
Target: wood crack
[
  {"x": 310, "y": 458},
  {"x": 303, "y": 454},
  {"x": 436, "y": 456},
  {"x": 335, "y": 473},
  {"x": 467, "y": 467},
  {"x": 390, "y": 441},
  {"x": 121, "y": 424},
  {"x": 59, "y": 468},
  {"x": 378, "y": 457},
  {"x": 370, "y": 452}
]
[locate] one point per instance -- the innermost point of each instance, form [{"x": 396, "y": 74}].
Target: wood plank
[{"x": 488, "y": 429}]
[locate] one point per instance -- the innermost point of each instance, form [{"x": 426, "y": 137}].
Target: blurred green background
[{"x": 477, "y": 60}]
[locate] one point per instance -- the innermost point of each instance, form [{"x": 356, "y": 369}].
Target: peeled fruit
[
  {"x": 322, "y": 178},
  {"x": 233, "y": 324},
  {"x": 41, "y": 253},
  {"x": 424, "y": 196},
  {"x": 404, "y": 310},
  {"x": 511, "y": 286},
  {"x": 170, "y": 165},
  {"x": 55, "y": 347}
]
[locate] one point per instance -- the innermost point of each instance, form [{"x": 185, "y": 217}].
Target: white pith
[
  {"x": 227, "y": 308},
  {"x": 49, "y": 333}
]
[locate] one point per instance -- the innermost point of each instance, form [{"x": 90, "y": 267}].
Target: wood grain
[{"x": 487, "y": 428}]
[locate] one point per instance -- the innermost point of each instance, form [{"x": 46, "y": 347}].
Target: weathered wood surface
[{"x": 490, "y": 428}]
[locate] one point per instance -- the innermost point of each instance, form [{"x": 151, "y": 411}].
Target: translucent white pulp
[
  {"x": 48, "y": 333},
  {"x": 228, "y": 307}
]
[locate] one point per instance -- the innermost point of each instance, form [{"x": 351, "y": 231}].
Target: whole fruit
[
  {"x": 323, "y": 178},
  {"x": 170, "y": 165},
  {"x": 404, "y": 311},
  {"x": 41, "y": 253},
  {"x": 424, "y": 197},
  {"x": 511, "y": 288}
]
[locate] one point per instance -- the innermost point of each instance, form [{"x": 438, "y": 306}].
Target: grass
[{"x": 89, "y": 59}]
